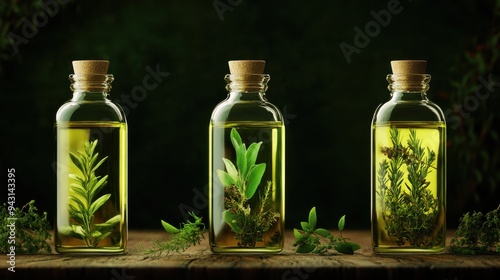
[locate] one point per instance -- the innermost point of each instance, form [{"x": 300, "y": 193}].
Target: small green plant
[
  {"x": 410, "y": 216},
  {"x": 188, "y": 234},
  {"x": 31, "y": 229},
  {"x": 240, "y": 185},
  {"x": 83, "y": 200},
  {"x": 319, "y": 240},
  {"x": 477, "y": 234}
]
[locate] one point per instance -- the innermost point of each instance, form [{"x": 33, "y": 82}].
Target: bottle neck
[
  {"x": 244, "y": 85},
  {"x": 408, "y": 87},
  {"x": 90, "y": 87}
]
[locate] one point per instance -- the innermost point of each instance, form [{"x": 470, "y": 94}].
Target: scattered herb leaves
[{"x": 311, "y": 239}]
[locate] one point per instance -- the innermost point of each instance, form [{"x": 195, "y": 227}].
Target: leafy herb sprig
[
  {"x": 319, "y": 240},
  {"x": 240, "y": 185},
  {"x": 83, "y": 200},
  {"x": 411, "y": 217},
  {"x": 188, "y": 234},
  {"x": 32, "y": 230},
  {"x": 477, "y": 234}
]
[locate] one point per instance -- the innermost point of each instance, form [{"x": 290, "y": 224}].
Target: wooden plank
[{"x": 198, "y": 262}]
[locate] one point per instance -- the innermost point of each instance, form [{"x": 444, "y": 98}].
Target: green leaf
[
  {"x": 241, "y": 160},
  {"x": 235, "y": 139},
  {"x": 306, "y": 227},
  {"x": 230, "y": 219},
  {"x": 323, "y": 232},
  {"x": 354, "y": 246},
  {"x": 169, "y": 228},
  {"x": 98, "y": 203},
  {"x": 96, "y": 186},
  {"x": 82, "y": 205},
  {"x": 342, "y": 223},
  {"x": 306, "y": 248},
  {"x": 98, "y": 164},
  {"x": 225, "y": 179},
  {"x": 312, "y": 218},
  {"x": 78, "y": 162},
  {"x": 344, "y": 248},
  {"x": 231, "y": 169},
  {"x": 252, "y": 153},
  {"x": 78, "y": 190},
  {"x": 253, "y": 179},
  {"x": 297, "y": 234}
]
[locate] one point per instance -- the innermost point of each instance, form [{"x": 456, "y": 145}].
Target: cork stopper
[
  {"x": 408, "y": 66},
  {"x": 91, "y": 75},
  {"x": 247, "y": 67},
  {"x": 90, "y": 67}
]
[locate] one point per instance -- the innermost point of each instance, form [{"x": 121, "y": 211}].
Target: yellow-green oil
[
  {"x": 112, "y": 142},
  {"x": 432, "y": 136},
  {"x": 271, "y": 134}
]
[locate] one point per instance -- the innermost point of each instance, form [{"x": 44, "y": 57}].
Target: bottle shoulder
[
  {"x": 105, "y": 110},
  {"x": 422, "y": 110},
  {"x": 230, "y": 111}
]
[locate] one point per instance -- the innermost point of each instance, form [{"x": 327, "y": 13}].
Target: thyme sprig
[
  {"x": 477, "y": 234},
  {"x": 32, "y": 230},
  {"x": 180, "y": 239},
  {"x": 83, "y": 200},
  {"x": 409, "y": 209},
  {"x": 240, "y": 185},
  {"x": 319, "y": 240}
]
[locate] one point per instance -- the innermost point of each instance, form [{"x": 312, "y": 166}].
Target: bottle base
[
  {"x": 245, "y": 251},
  {"x": 90, "y": 251},
  {"x": 394, "y": 250}
]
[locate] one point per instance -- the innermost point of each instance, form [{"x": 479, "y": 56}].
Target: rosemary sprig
[
  {"x": 477, "y": 234},
  {"x": 319, "y": 240},
  {"x": 188, "y": 234},
  {"x": 411, "y": 216},
  {"x": 83, "y": 203},
  {"x": 240, "y": 184}
]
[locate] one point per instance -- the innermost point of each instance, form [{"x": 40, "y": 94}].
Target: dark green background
[{"x": 329, "y": 102}]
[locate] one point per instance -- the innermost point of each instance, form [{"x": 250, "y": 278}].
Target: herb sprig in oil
[
  {"x": 83, "y": 200},
  {"x": 240, "y": 185},
  {"x": 410, "y": 211}
]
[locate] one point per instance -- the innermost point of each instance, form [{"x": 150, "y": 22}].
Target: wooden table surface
[{"x": 199, "y": 262}]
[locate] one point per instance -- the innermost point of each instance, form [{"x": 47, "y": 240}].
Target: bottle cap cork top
[
  {"x": 408, "y": 66},
  {"x": 91, "y": 67},
  {"x": 247, "y": 67}
]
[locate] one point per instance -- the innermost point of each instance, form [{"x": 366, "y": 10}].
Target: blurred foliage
[
  {"x": 474, "y": 121},
  {"x": 11, "y": 13}
]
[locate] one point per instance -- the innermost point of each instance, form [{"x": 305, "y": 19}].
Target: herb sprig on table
[
  {"x": 188, "y": 234},
  {"x": 32, "y": 230},
  {"x": 477, "y": 234},
  {"x": 319, "y": 240}
]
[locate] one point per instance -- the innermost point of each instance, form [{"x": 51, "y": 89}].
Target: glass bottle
[
  {"x": 408, "y": 172},
  {"x": 246, "y": 166},
  {"x": 91, "y": 171}
]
